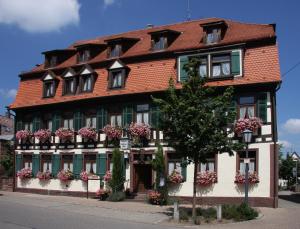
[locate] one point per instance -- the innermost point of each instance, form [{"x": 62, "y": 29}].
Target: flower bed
[
  {"x": 252, "y": 178},
  {"x": 139, "y": 130},
  {"x": 206, "y": 178},
  {"x": 247, "y": 123},
  {"x": 65, "y": 134},
  {"x": 154, "y": 197},
  {"x": 23, "y": 135},
  {"x": 102, "y": 194},
  {"x": 25, "y": 173},
  {"x": 43, "y": 135},
  {"x": 108, "y": 175},
  {"x": 112, "y": 132},
  {"x": 88, "y": 133},
  {"x": 65, "y": 175},
  {"x": 44, "y": 175},
  {"x": 175, "y": 177}
]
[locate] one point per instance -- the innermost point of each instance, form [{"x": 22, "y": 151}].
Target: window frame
[
  {"x": 83, "y": 55},
  {"x": 53, "y": 84},
  {"x": 111, "y": 50},
  {"x": 43, "y": 160},
  {"x": 26, "y": 161},
  {"x": 115, "y": 115},
  {"x": 218, "y": 35},
  {"x": 221, "y": 76},
  {"x": 214, "y": 159},
  {"x": 239, "y": 158},
  {"x": 94, "y": 161},
  {"x": 66, "y": 81},
  {"x": 62, "y": 161},
  {"x": 172, "y": 160},
  {"x": 112, "y": 73},
  {"x": 81, "y": 84},
  {"x": 162, "y": 40}
]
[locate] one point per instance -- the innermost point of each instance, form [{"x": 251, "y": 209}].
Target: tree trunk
[{"x": 196, "y": 163}]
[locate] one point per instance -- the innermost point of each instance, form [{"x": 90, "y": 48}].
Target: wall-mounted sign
[{"x": 125, "y": 143}]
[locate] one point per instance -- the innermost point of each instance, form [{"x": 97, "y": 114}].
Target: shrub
[
  {"x": 154, "y": 197},
  {"x": 117, "y": 181},
  {"x": 116, "y": 196},
  {"x": 247, "y": 213},
  {"x": 183, "y": 214},
  {"x": 208, "y": 213},
  {"x": 102, "y": 194},
  {"x": 238, "y": 212},
  {"x": 107, "y": 177}
]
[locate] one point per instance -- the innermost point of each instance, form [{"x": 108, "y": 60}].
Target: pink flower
[
  {"x": 139, "y": 130},
  {"x": 44, "y": 175},
  {"x": 247, "y": 123},
  {"x": 154, "y": 197},
  {"x": 84, "y": 176},
  {"x": 23, "y": 134},
  {"x": 252, "y": 178},
  {"x": 107, "y": 176},
  {"x": 64, "y": 134},
  {"x": 43, "y": 135},
  {"x": 88, "y": 132},
  {"x": 206, "y": 178},
  {"x": 24, "y": 173},
  {"x": 175, "y": 177},
  {"x": 112, "y": 132},
  {"x": 65, "y": 175}
]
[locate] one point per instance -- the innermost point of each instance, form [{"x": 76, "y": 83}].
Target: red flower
[
  {"x": 247, "y": 123},
  {"x": 112, "y": 132},
  {"x": 175, "y": 177},
  {"x": 206, "y": 178},
  {"x": 252, "y": 178}
]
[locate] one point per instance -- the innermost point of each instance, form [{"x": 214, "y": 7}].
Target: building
[{"x": 110, "y": 80}]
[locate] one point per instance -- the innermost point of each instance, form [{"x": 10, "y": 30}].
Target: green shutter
[
  {"x": 19, "y": 164},
  {"x": 77, "y": 120},
  {"x": 123, "y": 163},
  {"x": 101, "y": 117},
  {"x": 127, "y": 115},
  {"x": 35, "y": 164},
  {"x": 154, "y": 116},
  {"x": 235, "y": 63},
  {"x": 183, "y": 169},
  {"x": 36, "y": 123},
  {"x": 77, "y": 164},
  {"x": 19, "y": 125},
  {"x": 101, "y": 164},
  {"x": 55, "y": 164},
  {"x": 56, "y": 123},
  {"x": 183, "y": 75},
  {"x": 262, "y": 106}
]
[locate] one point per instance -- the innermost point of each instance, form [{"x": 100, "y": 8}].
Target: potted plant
[
  {"x": 43, "y": 176},
  {"x": 43, "y": 135},
  {"x": 25, "y": 173},
  {"x": 140, "y": 133},
  {"x": 243, "y": 124},
  {"x": 65, "y": 134},
  {"x": 206, "y": 178},
  {"x": 65, "y": 175},
  {"x": 108, "y": 175},
  {"x": 154, "y": 197},
  {"x": 175, "y": 177},
  {"x": 23, "y": 135},
  {"x": 102, "y": 194},
  {"x": 252, "y": 178},
  {"x": 88, "y": 133},
  {"x": 113, "y": 134}
]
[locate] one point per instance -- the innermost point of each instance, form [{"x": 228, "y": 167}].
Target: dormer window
[
  {"x": 87, "y": 79},
  {"x": 86, "y": 83},
  {"x": 49, "y": 83},
  {"x": 213, "y": 32},
  {"x": 162, "y": 39},
  {"x": 56, "y": 57},
  {"x": 115, "y": 50},
  {"x": 52, "y": 61},
  {"x": 70, "y": 82},
  {"x": 118, "y": 46},
  {"x": 87, "y": 51},
  {"x": 84, "y": 55},
  {"x": 213, "y": 36},
  {"x": 159, "y": 43},
  {"x": 117, "y": 75}
]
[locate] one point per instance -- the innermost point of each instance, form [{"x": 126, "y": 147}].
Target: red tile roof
[{"x": 261, "y": 64}]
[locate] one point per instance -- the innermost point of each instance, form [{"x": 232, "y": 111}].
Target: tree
[
  {"x": 7, "y": 159},
  {"x": 286, "y": 170},
  {"x": 196, "y": 119},
  {"x": 117, "y": 181}
]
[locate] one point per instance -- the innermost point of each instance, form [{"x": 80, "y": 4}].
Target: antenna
[{"x": 188, "y": 18}]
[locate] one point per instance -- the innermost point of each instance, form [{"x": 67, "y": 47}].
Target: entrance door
[{"x": 142, "y": 178}]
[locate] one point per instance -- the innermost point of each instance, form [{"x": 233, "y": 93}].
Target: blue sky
[{"x": 27, "y": 28}]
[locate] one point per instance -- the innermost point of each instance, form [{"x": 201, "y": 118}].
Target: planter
[
  {"x": 65, "y": 175},
  {"x": 247, "y": 124},
  {"x": 44, "y": 176},
  {"x": 206, "y": 178},
  {"x": 84, "y": 176},
  {"x": 88, "y": 133},
  {"x": 65, "y": 134},
  {"x": 175, "y": 177},
  {"x": 43, "y": 135},
  {"x": 112, "y": 132},
  {"x": 102, "y": 194},
  {"x": 25, "y": 173},
  {"x": 154, "y": 197},
  {"x": 252, "y": 178}
]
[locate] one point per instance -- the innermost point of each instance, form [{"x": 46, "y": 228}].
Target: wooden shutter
[
  {"x": 183, "y": 169},
  {"x": 183, "y": 75},
  {"x": 235, "y": 63},
  {"x": 77, "y": 120},
  {"x": 262, "y": 106},
  {"x": 101, "y": 164},
  {"x": 35, "y": 164},
  {"x": 77, "y": 164},
  {"x": 154, "y": 116},
  {"x": 56, "y": 121},
  {"x": 19, "y": 162},
  {"x": 101, "y": 117},
  {"x": 127, "y": 115},
  {"x": 36, "y": 123},
  {"x": 55, "y": 164}
]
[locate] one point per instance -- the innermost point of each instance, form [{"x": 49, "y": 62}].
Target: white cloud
[
  {"x": 108, "y": 2},
  {"x": 292, "y": 126},
  {"x": 8, "y": 94},
  {"x": 285, "y": 144},
  {"x": 39, "y": 15}
]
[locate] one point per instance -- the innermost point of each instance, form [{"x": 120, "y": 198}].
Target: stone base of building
[
  {"x": 6, "y": 184},
  {"x": 55, "y": 192}
]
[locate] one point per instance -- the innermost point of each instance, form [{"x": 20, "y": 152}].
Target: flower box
[
  {"x": 243, "y": 124},
  {"x": 252, "y": 178},
  {"x": 25, "y": 173},
  {"x": 43, "y": 135},
  {"x": 175, "y": 177},
  {"x": 88, "y": 133},
  {"x": 84, "y": 176},
  {"x": 139, "y": 130},
  {"x": 65, "y": 134},
  {"x": 65, "y": 175},
  {"x": 23, "y": 135},
  {"x": 206, "y": 178},
  {"x": 113, "y": 135},
  {"x": 43, "y": 176}
]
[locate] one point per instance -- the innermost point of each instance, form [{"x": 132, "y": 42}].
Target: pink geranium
[
  {"x": 44, "y": 175},
  {"x": 24, "y": 173},
  {"x": 252, "y": 178},
  {"x": 139, "y": 129},
  {"x": 88, "y": 132},
  {"x": 43, "y": 135},
  {"x": 175, "y": 177},
  {"x": 108, "y": 175},
  {"x": 247, "y": 123},
  {"x": 112, "y": 132},
  {"x": 84, "y": 176},
  {"x": 154, "y": 197},
  {"x": 65, "y": 175},
  {"x": 23, "y": 135},
  {"x": 64, "y": 134},
  {"x": 206, "y": 178}
]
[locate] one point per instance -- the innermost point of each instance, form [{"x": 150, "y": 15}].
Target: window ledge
[{"x": 221, "y": 78}]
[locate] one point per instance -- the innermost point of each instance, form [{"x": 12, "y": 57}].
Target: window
[
  {"x": 247, "y": 107},
  {"x": 90, "y": 121},
  {"x": 51, "y": 61},
  {"x": 70, "y": 86},
  {"x": 203, "y": 66},
  {"x": 213, "y": 35},
  {"x": 159, "y": 43},
  {"x": 110, "y": 164},
  {"x": 220, "y": 65},
  {"x": 28, "y": 126},
  {"x": 116, "y": 79},
  {"x": 90, "y": 163},
  {"x": 142, "y": 113},
  {"x": 87, "y": 82},
  {"x": 252, "y": 156},
  {"x": 174, "y": 163},
  {"x": 46, "y": 163},
  {"x": 27, "y": 161},
  {"x": 84, "y": 55},
  {"x": 68, "y": 123},
  {"x": 67, "y": 162},
  {"x": 49, "y": 89},
  {"x": 208, "y": 166},
  {"x": 115, "y": 50},
  {"x": 116, "y": 120}
]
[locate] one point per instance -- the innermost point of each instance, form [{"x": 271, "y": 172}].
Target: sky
[{"x": 29, "y": 27}]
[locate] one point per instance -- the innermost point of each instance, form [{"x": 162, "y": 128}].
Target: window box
[
  {"x": 65, "y": 175},
  {"x": 206, "y": 178},
  {"x": 252, "y": 178},
  {"x": 25, "y": 173},
  {"x": 175, "y": 177}
]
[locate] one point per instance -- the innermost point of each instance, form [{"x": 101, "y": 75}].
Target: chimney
[{"x": 150, "y": 26}]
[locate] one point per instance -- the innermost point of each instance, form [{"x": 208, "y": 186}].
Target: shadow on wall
[{"x": 240, "y": 188}]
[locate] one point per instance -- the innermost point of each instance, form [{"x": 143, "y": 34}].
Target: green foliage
[
  {"x": 117, "y": 182},
  {"x": 116, "y": 196},
  {"x": 183, "y": 214},
  {"x": 239, "y": 212},
  {"x": 286, "y": 169},
  {"x": 7, "y": 159}
]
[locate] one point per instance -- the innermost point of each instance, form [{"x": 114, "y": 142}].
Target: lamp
[{"x": 247, "y": 136}]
